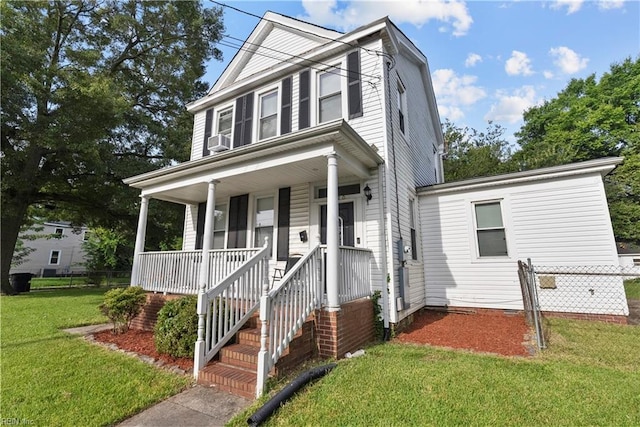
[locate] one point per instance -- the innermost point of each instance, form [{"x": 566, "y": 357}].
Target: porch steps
[{"x": 235, "y": 370}]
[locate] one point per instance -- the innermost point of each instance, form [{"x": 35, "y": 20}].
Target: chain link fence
[{"x": 594, "y": 291}]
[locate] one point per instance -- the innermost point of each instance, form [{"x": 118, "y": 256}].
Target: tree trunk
[{"x": 12, "y": 220}]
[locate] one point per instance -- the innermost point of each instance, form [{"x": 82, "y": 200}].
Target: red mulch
[
  {"x": 141, "y": 342},
  {"x": 488, "y": 333}
]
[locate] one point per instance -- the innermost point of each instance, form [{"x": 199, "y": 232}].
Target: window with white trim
[
  {"x": 490, "y": 232},
  {"x": 225, "y": 122},
  {"x": 54, "y": 258},
  {"x": 412, "y": 228},
  {"x": 59, "y": 231},
  {"x": 329, "y": 96},
  {"x": 264, "y": 220},
  {"x": 268, "y": 125},
  {"x": 219, "y": 226},
  {"x": 402, "y": 106}
]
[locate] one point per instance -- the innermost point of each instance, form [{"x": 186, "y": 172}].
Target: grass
[
  {"x": 52, "y": 378},
  {"x": 53, "y": 282},
  {"x": 588, "y": 376},
  {"x": 632, "y": 288}
]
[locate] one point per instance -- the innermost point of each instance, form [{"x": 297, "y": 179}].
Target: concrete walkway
[{"x": 198, "y": 406}]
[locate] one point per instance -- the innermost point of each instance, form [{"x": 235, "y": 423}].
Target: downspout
[{"x": 383, "y": 256}]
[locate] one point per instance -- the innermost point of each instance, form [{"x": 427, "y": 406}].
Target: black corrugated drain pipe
[{"x": 290, "y": 389}]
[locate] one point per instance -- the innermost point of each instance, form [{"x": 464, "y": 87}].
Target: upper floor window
[
  {"x": 59, "y": 231},
  {"x": 490, "y": 231},
  {"x": 225, "y": 122},
  {"x": 402, "y": 102},
  {"x": 329, "y": 96},
  {"x": 268, "y": 115}
]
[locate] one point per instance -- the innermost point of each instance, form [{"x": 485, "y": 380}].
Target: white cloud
[
  {"x": 518, "y": 64},
  {"x": 572, "y": 6},
  {"x": 548, "y": 74},
  {"x": 472, "y": 60},
  {"x": 610, "y": 4},
  {"x": 350, "y": 14},
  {"x": 510, "y": 106},
  {"x": 454, "y": 92},
  {"x": 568, "y": 61}
]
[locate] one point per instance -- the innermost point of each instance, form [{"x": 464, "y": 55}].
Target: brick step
[
  {"x": 249, "y": 336},
  {"x": 240, "y": 355},
  {"x": 232, "y": 379}
]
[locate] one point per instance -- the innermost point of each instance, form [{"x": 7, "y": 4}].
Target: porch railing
[
  {"x": 223, "y": 309},
  {"x": 284, "y": 309},
  {"x": 178, "y": 272},
  {"x": 355, "y": 274}
]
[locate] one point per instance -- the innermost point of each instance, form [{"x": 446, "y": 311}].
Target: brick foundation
[
  {"x": 345, "y": 330},
  {"x": 146, "y": 320},
  {"x": 607, "y": 318}
]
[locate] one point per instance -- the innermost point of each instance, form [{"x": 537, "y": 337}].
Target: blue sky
[{"x": 489, "y": 60}]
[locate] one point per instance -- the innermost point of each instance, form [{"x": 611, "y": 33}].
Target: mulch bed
[
  {"x": 488, "y": 333},
  {"x": 141, "y": 343}
]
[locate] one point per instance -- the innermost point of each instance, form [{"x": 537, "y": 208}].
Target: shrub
[
  {"x": 176, "y": 330},
  {"x": 121, "y": 305}
]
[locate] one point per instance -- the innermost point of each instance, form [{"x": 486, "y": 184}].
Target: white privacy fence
[
  {"x": 178, "y": 272},
  {"x": 285, "y": 308}
]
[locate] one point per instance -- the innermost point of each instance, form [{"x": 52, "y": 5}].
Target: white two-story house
[{"x": 326, "y": 148}]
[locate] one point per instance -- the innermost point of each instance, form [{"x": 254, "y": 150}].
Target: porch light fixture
[{"x": 367, "y": 193}]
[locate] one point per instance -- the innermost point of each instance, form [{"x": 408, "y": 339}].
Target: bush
[
  {"x": 176, "y": 330},
  {"x": 121, "y": 305}
]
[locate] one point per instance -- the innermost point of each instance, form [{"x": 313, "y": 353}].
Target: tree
[
  {"x": 472, "y": 154},
  {"x": 93, "y": 92},
  {"x": 591, "y": 119}
]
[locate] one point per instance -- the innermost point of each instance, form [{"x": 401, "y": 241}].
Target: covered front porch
[{"x": 247, "y": 210}]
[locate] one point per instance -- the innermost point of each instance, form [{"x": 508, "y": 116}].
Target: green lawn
[
  {"x": 632, "y": 288},
  {"x": 590, "y": 375},
  {"x": 52, "y": 378}
]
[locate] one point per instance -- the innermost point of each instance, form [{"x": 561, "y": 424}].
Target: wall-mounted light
[
  {"x": 367, "y": 193},
  {"x": 303, "y": 236}
]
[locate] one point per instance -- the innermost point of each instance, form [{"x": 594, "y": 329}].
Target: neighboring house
[
  {"x": 628, "y": 254},
  {"x": 330, "y": 145},
  {"x": 58, "y": 252}
]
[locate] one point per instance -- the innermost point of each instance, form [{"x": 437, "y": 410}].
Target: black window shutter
[
  {"x": 304, "y": 111},
  {"x": 284, "y": 215},
  {"x": 248, "y": 119},
  {"x": 243, "y": 121},
  {"x": 238, "y": 215},
  {"x": 285, "y": 114},
  {"x": 354, "y": 85},
  {"x": 202, "y": 210},
  {"x": 239, "y": 119},
  {"x": 208, "y": 128}
]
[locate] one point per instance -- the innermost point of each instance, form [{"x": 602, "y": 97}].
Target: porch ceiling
[{"x": 292, "y": 159}]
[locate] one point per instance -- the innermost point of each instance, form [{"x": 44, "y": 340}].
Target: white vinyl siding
[
  {"x": 553, "y": 222},
  {"x": 197, "y": 139},
  {"x": 190, "y": 227},
  {"x": 279, "y": 45}
]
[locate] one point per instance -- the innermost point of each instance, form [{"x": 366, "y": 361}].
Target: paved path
[{"x": 198, "y": 406}]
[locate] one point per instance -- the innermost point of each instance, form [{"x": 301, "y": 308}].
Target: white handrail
[
  {"x": 284, "y": 309},
  {"x": 226, "y": 307}
]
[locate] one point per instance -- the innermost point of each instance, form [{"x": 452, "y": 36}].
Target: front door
[{"x": 346, "y": 220}]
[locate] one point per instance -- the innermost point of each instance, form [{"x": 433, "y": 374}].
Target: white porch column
[
  {"x": 140, "y": 239},
  {"x": 207, "y": 243},
  {"x": 332, "y": 233}
]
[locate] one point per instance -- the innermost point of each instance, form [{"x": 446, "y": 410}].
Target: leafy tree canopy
[
  {"x": 471, "y": 153},
  {"x": 93, "y": 92}
]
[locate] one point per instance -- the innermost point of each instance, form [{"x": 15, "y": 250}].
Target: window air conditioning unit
[{"x": 218, "y": 143}]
